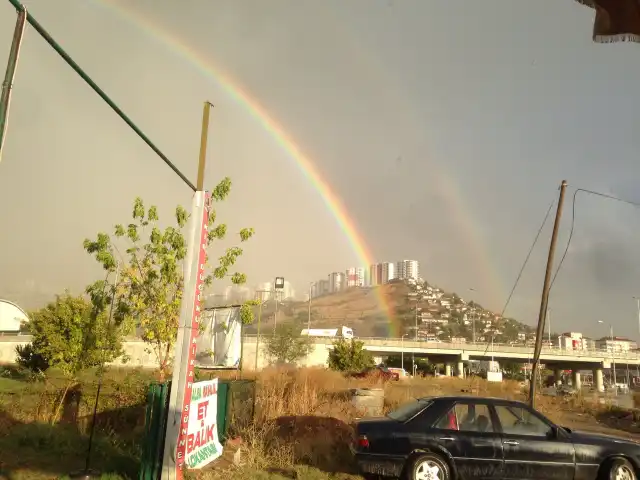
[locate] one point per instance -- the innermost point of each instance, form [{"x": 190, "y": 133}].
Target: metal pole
[
  {"x": 76, "y": 68},
  {"x": 549, "y": 319},
  {"x": 258, "y": 338},
  {"x": 12, "y": 62},
  {"x": 638, "y": 303},
  {"x": 402, "y": 352},
  {"x": 473, "y": 320},
  {"x": 545, "y": 297},
  {"x": 184, "y": 353},
  {"x": 309, "y": 318},
  {"x": 275, "y": 315},
  {"x": 613, "y": 361}
]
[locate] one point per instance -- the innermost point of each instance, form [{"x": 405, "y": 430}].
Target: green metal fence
[
  {"x": 155, "y": 427},
  {"x": 236, "y": 402}
]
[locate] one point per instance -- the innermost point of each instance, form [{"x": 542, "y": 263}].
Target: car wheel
[
  {"x": 428, "y": 467},
  {"x": 621, "y": 469}
]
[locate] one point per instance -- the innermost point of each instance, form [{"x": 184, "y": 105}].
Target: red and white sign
[
  {"x": 203, "y": 444},
  {"x": 183, "y": 434}
]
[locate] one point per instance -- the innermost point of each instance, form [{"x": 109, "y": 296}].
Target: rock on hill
[{"x": 440, "y": 314}]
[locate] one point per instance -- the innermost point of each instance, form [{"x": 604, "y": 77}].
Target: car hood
[{"x": 598, "y": 438}]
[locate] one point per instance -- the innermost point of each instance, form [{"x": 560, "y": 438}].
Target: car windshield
[{"x": 409, "y": 410}]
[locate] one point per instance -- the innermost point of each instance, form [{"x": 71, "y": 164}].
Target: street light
[
  {"x": 638, "y": 303},
  {"x": 613, "y": 359},
  {"x": 473, "y": 319},
  {"x": 402, "y": 351},
  {"x": 278, "y": 285},
  {"x": 311, "y": 284},
  {"x": 262, "y": 302}
]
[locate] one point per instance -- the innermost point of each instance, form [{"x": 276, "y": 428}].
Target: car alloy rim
[
  {"x": 623, "y": 472},
  {"x": 429, "y": 470}
]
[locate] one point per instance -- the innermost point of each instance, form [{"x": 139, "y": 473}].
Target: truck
[{"x": 342, "y": 332}]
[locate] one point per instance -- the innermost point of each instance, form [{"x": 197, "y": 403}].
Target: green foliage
[
  {"x": 349, "y": 356},
  {"x": 287, "y": 345},
  {"x": 150, "y": 282},
  {"x": 28, "y": 358},
  {"x": 70, "y": 335}
]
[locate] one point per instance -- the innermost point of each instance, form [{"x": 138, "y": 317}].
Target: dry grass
[
  {"x": 302, "y": 426},
  {"x": 305, "y": 417}
]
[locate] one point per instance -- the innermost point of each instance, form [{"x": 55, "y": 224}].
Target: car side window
[
  {"x": 520, "y": 421},
  {"x": 466, "y": 417}
]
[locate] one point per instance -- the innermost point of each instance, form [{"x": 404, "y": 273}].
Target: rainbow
[{"x": 447, "y": 186}]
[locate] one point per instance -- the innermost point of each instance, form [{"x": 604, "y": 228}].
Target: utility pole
[
  {"x": 549, "y": 318},
  {"x": 638, "y": 303},
  {"x": 309, "y": 318},
  {"x": 258, "y": 337},
  {"x": 184, "y": 356},
  {"x": 473, "y": 320},
  {"x": 544, "y": 300},
  {"x": 12, "y": 63}
]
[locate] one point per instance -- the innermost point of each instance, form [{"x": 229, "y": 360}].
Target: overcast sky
[{"x": 445, "y": 128}]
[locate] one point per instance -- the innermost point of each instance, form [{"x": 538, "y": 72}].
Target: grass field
[{"x": 301, "y": 427}]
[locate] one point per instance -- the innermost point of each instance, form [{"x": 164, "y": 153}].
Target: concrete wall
[
  {"x": 139, "y": 357},
  {"x": 136, "y": 351}
]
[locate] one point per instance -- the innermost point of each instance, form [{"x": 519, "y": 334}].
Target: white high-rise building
[
  {"x": 387, "y": 272},
  {"x": 265, "y": 291},
  {"x": 381, "y": 273},
  {"x": 337, "y": 282},
  {"x": 355, "y": 277},
  {"x": 234, "y": 294},
  {"x": 406, "y": 269}
]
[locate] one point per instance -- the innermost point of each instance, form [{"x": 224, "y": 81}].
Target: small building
[
  {"x": 615, "y": 344},
  {"x": 12, "y": 317}
]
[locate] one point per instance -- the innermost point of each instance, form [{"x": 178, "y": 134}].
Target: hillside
[{"x": 440, "y": 314}]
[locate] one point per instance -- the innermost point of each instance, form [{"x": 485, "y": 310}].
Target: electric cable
[
  {"x": 573, "y": 222},
  {"x": 524, "y": 265}
]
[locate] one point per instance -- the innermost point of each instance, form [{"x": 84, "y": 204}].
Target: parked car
[
  {"x": 382, "y": 372},
  {"x": 486, "y": 438}
]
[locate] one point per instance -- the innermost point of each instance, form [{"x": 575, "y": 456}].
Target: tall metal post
[
  {"x": 309, "y": 316},
  {"x": 174, "y": 458},
  {"x": 12, "y": 63},
  {"x": 544, "y": 300},
  {"x": 258, "y": 337}
]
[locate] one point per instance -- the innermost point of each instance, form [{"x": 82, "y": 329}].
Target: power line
[
  {"x": 76, "y": 68},
  {"x": 524, "y": 265},
  {"x": 573, "y": 222}
]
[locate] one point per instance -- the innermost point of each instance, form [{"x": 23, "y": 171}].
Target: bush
[
  {"x": 28, "y": 358},
  {"x": 349, "y": 356}
]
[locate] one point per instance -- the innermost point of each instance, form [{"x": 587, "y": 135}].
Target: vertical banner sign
[
  {"x": 190, "y": 357},
  {"x": 203, "y": 444}
]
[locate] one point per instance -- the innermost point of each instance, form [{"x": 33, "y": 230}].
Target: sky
[{"x": 444, "y": 128}]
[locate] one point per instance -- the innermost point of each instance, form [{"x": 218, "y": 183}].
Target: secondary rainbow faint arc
[{"x": 307, "y": 167}]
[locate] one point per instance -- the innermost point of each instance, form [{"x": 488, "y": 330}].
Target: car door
[
  {"x": 530, "y": 448},
  {"x": 467, "y": 431}
]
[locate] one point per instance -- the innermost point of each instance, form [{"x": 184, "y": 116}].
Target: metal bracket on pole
[{"x": 12, "y": 63}]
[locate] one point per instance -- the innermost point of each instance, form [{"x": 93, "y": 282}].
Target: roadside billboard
[
  {"x": 202, "y": 443},
  {"x": 219, "y": 343}
]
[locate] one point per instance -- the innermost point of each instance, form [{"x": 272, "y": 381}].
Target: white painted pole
[{"x": 184, "y": 358}]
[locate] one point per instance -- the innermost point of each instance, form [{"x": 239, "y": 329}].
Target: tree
[
  {"x": 149, "y": 289},
  {"x": 287, "y": 345},
  {"x": 349, "y": 356},
  {"x": 71, "y": 335}
]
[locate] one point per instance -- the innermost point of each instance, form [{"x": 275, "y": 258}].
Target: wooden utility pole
[
  {"x": 185, "y": 351},
  {"x": 542, "y": 316}
]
